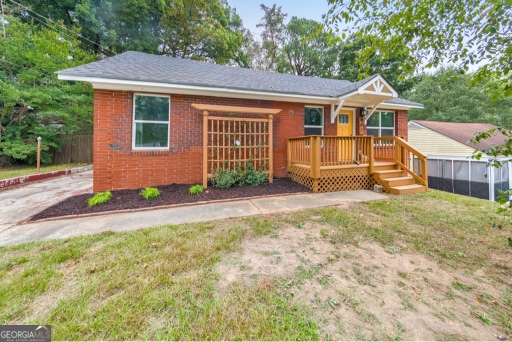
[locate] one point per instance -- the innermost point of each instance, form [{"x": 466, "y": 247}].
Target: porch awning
[{"x": 368, "y": 93}]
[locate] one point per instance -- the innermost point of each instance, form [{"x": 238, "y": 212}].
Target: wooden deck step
[
  {"x": 383, "y": 174},
  {"x": 398, "y": 181},
  {"x": 380, "y": 166},
  {"x": 408, "y": 189}
]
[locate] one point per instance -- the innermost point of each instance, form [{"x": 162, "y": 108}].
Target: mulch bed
[{"x": 174, "y": 194}]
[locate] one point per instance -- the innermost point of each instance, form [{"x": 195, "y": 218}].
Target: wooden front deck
[{"x": 325, "y": 163}]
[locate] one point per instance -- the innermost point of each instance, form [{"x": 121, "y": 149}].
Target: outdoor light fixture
[{"x": 364, "y": 111}]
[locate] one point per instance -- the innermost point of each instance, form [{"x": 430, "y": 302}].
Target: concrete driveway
[{"x": 19, "y": 203}]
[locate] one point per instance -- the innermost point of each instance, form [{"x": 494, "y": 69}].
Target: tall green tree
[
  {"x": 469, "y": 34},
  {"x": 449, "y": 96},
  {"x": 33, "y": 102},
  {"x": 307, "y": 49},
  {"x": 350, "y": 68},
  {"x": 203, "y": 29},
  {"x": 107, "y": 27},
  {"x": 266, "y": 55}
]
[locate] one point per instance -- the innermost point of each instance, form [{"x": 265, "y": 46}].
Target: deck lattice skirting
[{"x": 333, "y": 179}]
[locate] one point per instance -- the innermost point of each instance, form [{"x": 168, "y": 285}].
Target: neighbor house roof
[
  {"x": 139, "y": 70},
  {"x": 462, "y": 132}
]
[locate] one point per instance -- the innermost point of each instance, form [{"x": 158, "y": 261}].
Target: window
[
  {"x": 151, "y": 122},
  {"x": 314, "y": 121},
  {"x": 381, "y": 124},
  {"x": 343, "y": 119}
]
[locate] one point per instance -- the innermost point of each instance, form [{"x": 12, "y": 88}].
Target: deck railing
[
  {"x": 404, "y": 155},
  {"x": 316, "y": 152},
  {"x": 324, "y": 151}
]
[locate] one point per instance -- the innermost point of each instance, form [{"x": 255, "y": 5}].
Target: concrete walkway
[{"x": 12, "y": 232}]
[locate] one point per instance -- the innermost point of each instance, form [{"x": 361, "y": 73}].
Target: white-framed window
[
  {"x": 151, "y": 114},
  {"x": 314, "y": 120},
  {"x": 381, "y": 124}
]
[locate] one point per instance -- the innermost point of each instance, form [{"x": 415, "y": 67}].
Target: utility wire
[{"x": 108, "y": 51}]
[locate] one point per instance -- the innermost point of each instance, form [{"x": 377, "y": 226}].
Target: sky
[{"x": 251, "y": 13}]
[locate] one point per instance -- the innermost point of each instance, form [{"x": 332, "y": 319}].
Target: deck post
[
  {"x": 288, "y": 155},
  {"x": 315, "y": 157},
  {"x": 372, "y": 155},
  {"x": 205, "y": 149},
  {"x": 270, "y": 150}
]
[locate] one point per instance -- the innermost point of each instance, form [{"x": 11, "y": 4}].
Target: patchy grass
[
  {"x": 19, "y": 171},
  {"x": 162, "y": 283}
]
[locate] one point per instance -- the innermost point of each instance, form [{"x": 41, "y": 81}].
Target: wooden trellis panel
[{"x": 231, "y": 142}]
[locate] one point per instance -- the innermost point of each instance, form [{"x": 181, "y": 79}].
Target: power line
[{"x": 108, "y": 51}]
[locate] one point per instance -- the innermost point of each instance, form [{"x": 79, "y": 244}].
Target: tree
[
  {"x": 204, "y": 29},
  {"x": 448, "y": 95},
  {"x": 107, "y": 27},
  {"x": 471, "y": 33},
  {"x": 266, "y": 57},
  {"x": 351, "y": 69},
  {"x": 32, "y": 101},
  {"x": 307, "y": 49}
]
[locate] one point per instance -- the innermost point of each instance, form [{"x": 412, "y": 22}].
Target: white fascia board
[
  {"x": 385, "y": 105},
  {"x": 112, "y": 84}
]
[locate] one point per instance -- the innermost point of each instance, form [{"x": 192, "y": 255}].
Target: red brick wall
[
  {"x": 401, "y": 120},
  {"x": 117, "y": 166}
]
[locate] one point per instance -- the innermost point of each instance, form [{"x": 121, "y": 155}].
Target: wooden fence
[{"x": 74, "y": 149}]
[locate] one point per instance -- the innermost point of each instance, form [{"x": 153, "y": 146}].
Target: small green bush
[
  {"x": 99, "y": 198},
  {"x": 196, "y": 189},
  {"x": 149, "y": 193},
  {"x": 224, "y": 178},
  {"x": 252, "y": 176}
]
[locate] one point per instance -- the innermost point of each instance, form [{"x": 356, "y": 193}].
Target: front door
[
  {"x": 345, "y": 146},
  {"x": 345, "y": 126}
]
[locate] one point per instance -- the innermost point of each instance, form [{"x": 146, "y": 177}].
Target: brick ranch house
[{"x": 160, "y": 120}]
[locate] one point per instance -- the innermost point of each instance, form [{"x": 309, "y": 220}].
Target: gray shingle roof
[{"x": 143, "y": 67}]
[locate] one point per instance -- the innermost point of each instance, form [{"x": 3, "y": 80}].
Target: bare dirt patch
[{"x": 366, "y": 291}]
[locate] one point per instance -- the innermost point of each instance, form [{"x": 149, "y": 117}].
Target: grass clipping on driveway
[{"x": 432, "y": 266}]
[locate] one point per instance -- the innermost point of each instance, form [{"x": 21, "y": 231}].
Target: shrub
[
  {"x": 196, "y": 189},
  {"x": 252, "y": 176},
  {"x": 99, "y": 198},
  {"x": 224, "y": 178},
  {"x": 149, "y": 193},
  {"x": 256, "y": 178}
]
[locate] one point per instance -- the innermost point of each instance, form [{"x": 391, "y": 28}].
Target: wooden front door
[
  {"x": 345, "y": 147},
  {"x": 345, "y": 123}
]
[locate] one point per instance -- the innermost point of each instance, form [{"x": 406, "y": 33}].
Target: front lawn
[
  {"x": 24, "y": 170},
  {"x": 432, "y": 266}
]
